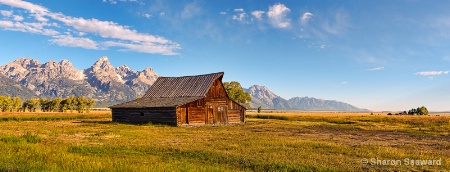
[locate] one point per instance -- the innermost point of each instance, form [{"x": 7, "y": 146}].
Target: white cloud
[
  {"x": 69, "y": 41},
  {"x": 25, "y": 5},
  {"x": 6, "y": 13},
  {"x": 147, "y": 15},
  {"x": 258, "y": 14},
  {"x": 110, "y": 31},
  {"x": 223, "y": 12},
  {"x": 110, "y": 1},
  {"x": 115, "y": 1},
  {"x": 143, "y": 47},
  {"x": 240, "y": 16},
  {"x": 306, "y": 17},
  {"x": 18, "y": 18},
  {"x": 6, "y": 24},
  {"x": 277, "y": 15},
  {"x": 344, "y": 83},
  {"x": 377, "y": 68},
  {"x": 239, "y": 10},
  {"x": 162, "y": 13},
  {"x": 431, "y": 73},
  {"x": 36, "y": 28},
  {"x": 39, "y": 17}
]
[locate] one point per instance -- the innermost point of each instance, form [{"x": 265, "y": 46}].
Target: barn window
[{"x": 199, "y": 102}]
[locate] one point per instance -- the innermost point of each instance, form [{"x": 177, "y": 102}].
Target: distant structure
[{"x": 187, "y": 100}]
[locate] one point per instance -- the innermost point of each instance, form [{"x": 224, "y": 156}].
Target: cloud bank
[{"x": 42, "y": 21}]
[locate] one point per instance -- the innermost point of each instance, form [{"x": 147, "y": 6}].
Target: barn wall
[
  {"x": 139, "y": 116},
  {"x": 236, "y": 113}
]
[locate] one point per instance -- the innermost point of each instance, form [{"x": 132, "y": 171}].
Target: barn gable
[{"x": 200, "y": 99}]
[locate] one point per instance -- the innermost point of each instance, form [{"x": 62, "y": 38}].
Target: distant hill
[{"x": 262, "y": 96}]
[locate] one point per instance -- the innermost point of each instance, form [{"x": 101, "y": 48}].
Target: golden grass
[{"x": 297, "y": 142}]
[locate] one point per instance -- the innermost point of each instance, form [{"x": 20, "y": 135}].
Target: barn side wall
[
  {"x": 145, "y": 115},
  {"x": 236, "y": 113}
]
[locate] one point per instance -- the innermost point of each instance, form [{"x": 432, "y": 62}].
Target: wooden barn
[{"x": 187, "y": 100}]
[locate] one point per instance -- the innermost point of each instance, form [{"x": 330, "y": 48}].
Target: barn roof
[
  {"x": 186, "y": 86},
  {"x": 151, "y": 102},
  {"x": 174, "y": 91}
]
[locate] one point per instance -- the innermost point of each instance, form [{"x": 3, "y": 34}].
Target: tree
[
  {"x": 236, "y": 93},
  {"x": 6, "y": 103},
  {"x": 423, "y": 110},
  {"x": 33, "y": 104},
  {"x": 90, "y": 104},
  {"x": 419, "y": 111},
  {"x": 45, "y": 104},
  {"x": 64, "y": 106},
  {"x": 70, "y": 102},
  {"x": 55, "y": 104},
  {"x": 25, "y": 105},
  {"x": 80, "y": 103},
  {"x": 259, "y": 109},
  {"x": 16, "y": 104}
]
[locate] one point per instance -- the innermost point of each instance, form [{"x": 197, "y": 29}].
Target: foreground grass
[{"x": 268, "y": 142}]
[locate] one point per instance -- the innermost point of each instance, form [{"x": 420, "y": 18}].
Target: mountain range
[
  {"x": 101, "y": 81},
  {"x": 262, "y": 96},
  {"x": 26, "y": 77}
]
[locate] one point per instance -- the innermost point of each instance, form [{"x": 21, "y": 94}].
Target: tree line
[
  {"x": 419, "y": 111},
  {"x": 79, "y": 103}
]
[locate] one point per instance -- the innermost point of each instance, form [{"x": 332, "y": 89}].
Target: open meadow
[{"x": 277, "y": 141}]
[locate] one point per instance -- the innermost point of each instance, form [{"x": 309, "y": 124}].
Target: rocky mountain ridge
[
  {"x": 262, "y": 96},
  {"x": 101, "y": 81}
]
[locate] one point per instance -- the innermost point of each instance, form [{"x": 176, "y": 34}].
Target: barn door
[
  {"x": 183, "y": 115},
  {"x": 216, "y": 113},
  {"x": 222, "y": 116},
  {"x": 209, "y": 119},
  {"x": 225, "y": 114}
]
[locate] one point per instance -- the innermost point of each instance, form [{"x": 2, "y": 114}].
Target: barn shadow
[
  {"x": 123, "y": 123},
  {"x": 94, "y": 122}
]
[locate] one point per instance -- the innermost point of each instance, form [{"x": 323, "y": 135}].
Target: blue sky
[{"x": 380, "y": 55}]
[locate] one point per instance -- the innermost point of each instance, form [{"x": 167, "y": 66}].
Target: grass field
[{"x": 320, "y": 141}]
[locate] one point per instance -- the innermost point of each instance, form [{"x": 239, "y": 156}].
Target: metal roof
[
  {"x": 174, "y": 91},
  {"x": 151, "y": 102},
  {"x": 186, "y": 86}
]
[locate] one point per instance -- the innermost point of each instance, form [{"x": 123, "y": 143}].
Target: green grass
[
  {"x": 267, "y": 142},
  {"x": 27, "y": 137},
  {"x": 46, "y": 118}
]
